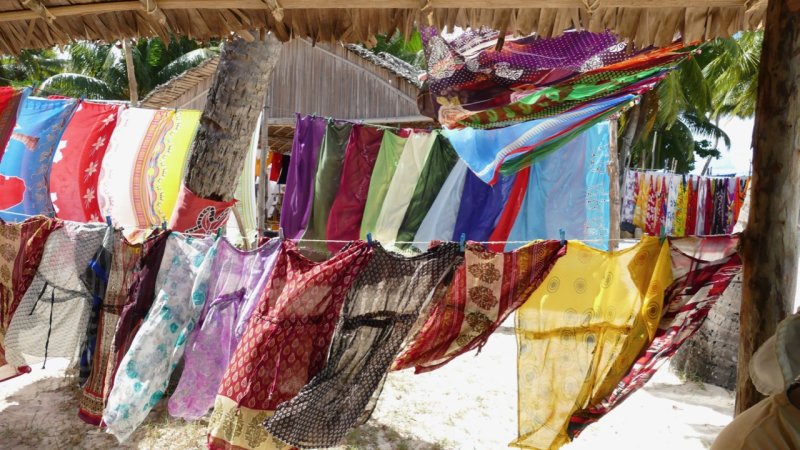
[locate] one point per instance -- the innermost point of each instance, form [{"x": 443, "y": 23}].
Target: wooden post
[
  {"x": 263, "y": 180},
  {"x": 769, "y": 244},
  {"x": 615, "y": 186},
  {"x": 133, "y": 88}
]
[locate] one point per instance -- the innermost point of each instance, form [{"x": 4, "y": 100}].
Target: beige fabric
[
  {"x": 777, "y": 363},
  {"x": 772, "y": 424}
]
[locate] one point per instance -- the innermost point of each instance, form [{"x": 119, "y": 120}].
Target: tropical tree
[
  {"x": 29, "y": 67},
  {"x": 408, "y": 49}
]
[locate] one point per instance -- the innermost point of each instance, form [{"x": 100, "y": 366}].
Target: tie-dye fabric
[{"x": 25, "y": 167}]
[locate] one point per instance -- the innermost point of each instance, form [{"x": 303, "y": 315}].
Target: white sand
[{"x": 469, "y": 404}]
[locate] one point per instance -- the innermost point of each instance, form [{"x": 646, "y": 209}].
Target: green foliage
[{"x": 409, "y": 50}]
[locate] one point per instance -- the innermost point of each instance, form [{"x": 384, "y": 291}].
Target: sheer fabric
[
  {"x": 379, "y": 312},
  {"x": 392, "y": 148},
  {"x": 95, "y": 277},
  {"x": 285, "y": 344},
  {"x": 158, "y": 346},
  {"x": 578, "y": 335},
  {"x": 485, "y": 290},
  {"x": 440, "y": 220},
  {"x": 481, "y": 206},
  {"x": 703, "y": 268},
  {"x": 297, "y": 199},
  {"x": 236, "y": 280},
  {"x": 52, "y": 317}
]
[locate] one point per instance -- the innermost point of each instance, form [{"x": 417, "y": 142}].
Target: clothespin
[
  {"x": 108, "y": 221},
  {"x": 164, "y": 225},
  {"x": 663, "y": 235},
  {"x": 463, "y": 241},
  {"x": 369, "y": 239},
  {"x": 280, "y": 233},
  {"x": 219, "y": 232},
  {"x": 563, "y": 236},
  {"x": 188, "y": 238}
]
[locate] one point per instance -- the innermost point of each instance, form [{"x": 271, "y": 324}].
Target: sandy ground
[{"x": 469, "y": 404}]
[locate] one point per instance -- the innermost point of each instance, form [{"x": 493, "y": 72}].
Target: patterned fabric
[
  {"x": 481, "y": 206},
  {"x": 95, "y": 277},
  {"x": 296, "y": 208},
  {"x": 703, "y": 268},
  {"x": 347, "y": 211},
  {"x": 21, "y": 248},
  {"x": 469, "y": 74},
  {"x": 490, "y": 153},
  {"x": 143, "y": 167},
  {"x": 568, "y": 190},
  {"x": 579, "y": 334},
  {"x": 285, "y": 344},
  {"x": 440, "y": 220},
  {"x": 236, "y": 280},
  {"x": 326, "y": 181},
  {"x": 158, "y": 346},
  {"x": 25, "y": 167},
  {"x": 53, "y": 314},
  {"x": 681, "y": 207},
  {"x": 391, "y": 150},
  {"x": 436, "y": 171},
  {"x": 629, "y": 196},
  {"x": 121, "y": 279},
  {"x": 379, "y": 311},
  {"x": 9, "y": 103},
  {"x": 485, "y": 290},
  {"x": 77, "y": 161},
  {"x": 198, "y": 215},
  {"x": 401, "y": 189}
]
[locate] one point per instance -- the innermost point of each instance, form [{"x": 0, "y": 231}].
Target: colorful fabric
[
  {"x": 285, "y": 343},
  {"x": 511, "y": 209},
  {"x": 158, "y": 346},
  {"x": 681, "y": 207},
  {"x": 703, "y": 268},
  {"x": 568, "y": 190},
  {"x": 95, "y": 277},
  {"x": 326, "y": 182},
  {"x": 22, "y": 245},
  {"x": 245, "y": 195},
  {"x": 392, "y": 147},
  {"x": 481, "y": 206},
  {"x": 347, "y": 211},
  {"x": 77, "y": 161},
  {"x": 401, "y": 189},
  {"x": 53, "y": 314},
  {"x": 275, "y": 165},
  {"x": 437, "y": 168},
  {"x": 579, "y": 334},
  {"x": 490, "y": 153},
  {"x": 379, "y": 312},
  {"x": 440, "y": 220},
  {"x": 485, "y": 290},
  {"x": 197, "y": 215},
  {"x": 10, "y": 99},
  {"x": 121, "y": 279},
  {"x": 235, "y": 281},
  {"x": 296, "y": 207},
  {"x": 691, "y": 207},
  {"x": 143, "y": 167},
  {"x": 25, "y": 166},
  {"x": 469, "y": 74}
]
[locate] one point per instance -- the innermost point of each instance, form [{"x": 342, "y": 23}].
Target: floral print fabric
[
  {"x": 158, "y": 346},
  {"x": 285, "y": 344}
]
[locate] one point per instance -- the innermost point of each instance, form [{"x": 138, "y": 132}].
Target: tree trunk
[
  {"x": 234, "y": 102},
  {"x": 615, "y": 188},
  {"x": 133, "y": 87},
  {"x": 769, "y": 244},
  {"x": 626, "y": 142}
]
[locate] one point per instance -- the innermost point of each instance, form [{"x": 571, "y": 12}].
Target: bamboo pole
[
  {"x": 615, "y": 187},
  {"x": 263, "y": 180},
  {"x": 242, "y": 231},
  {"x": 769, "y": 243},
  {"x": 133, "y": 88}
]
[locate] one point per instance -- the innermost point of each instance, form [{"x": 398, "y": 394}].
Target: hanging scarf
[
  {"x": 10, "y": 99},
  {"x": 391, "y": 150}
]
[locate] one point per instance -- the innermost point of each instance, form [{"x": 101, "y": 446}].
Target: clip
[
  {"x": 563, "y": 236},
  {"x": 164, "y": 225},
  {"x": 280, "y": 233},
  {"x": 108, "y": 221},
  {"x": 462, "y": 242},
  {"x": 369, "y": 239},
  {"x": 219, "y": 232},
  {"x": 663, "y": 235}
]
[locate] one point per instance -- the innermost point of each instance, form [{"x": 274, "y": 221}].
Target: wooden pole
[
  {"x": 263, "y": 180},
  {"x": 614, "y": 189},
  {"x": 133, "y": 88},
  {"x": 769, "y": 244}
]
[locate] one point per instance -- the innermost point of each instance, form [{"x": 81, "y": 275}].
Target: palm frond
[
  {"x": 77, "y": 85},
  {"x": 184, "y": 63}
]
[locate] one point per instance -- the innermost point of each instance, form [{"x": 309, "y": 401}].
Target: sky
[{"x": 737, "y": 159}]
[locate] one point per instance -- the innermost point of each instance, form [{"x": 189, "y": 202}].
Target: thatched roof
[{"x": 43, "y": 23}]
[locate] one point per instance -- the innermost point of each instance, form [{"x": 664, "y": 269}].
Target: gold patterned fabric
[{"x": 582, "y": 330}]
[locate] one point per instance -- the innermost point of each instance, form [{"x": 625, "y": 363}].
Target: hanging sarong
[
  {"x": 296, "y": 207},
  {"x": 236, "y": 281},
  {"x": 53, "y": 314},
  {"x": 440, "y": 220},
  {"x": 691, "y": 207},
  {"x": 485, "y": 290},
  {"x": 22, "y": 245},
  {"x": 672, "y": 183},
  {"x": 95, "y": 277},
  {"x": 440, "y": 162},
  {"x": 401, "y": 189},
  {"x": 285, "y": 344},
  {"x": 25, "y": 167},
  {"x": 246, "y": 195},
  {"x": 379, "y": 312},
  {"x": 392, "y": 146},
  {"x": 481, "y": 206},
  {"x": 198, "y": 215},
  {"x": 347, "y": 211},
  {"x": 326, "y": 182},
  {"x": 158, "y": 346},
  {"x": 511, "y": 209},
  {"x": 642, "y": 198},
  {"x": 629, "y": 196},
  {"x": 76, "y": 164},
  {"x": 580, "y": 333},
  {"x": 10, "y": 99}
]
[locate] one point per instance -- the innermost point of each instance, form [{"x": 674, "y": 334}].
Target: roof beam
[
  {"x": 38, "y": 8},
  {"x": 151, "y": 8}
]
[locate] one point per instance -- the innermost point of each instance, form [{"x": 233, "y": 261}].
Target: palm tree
[
  {"x": 408, "y": 49},
  {"x": 29, "y": 67}
]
